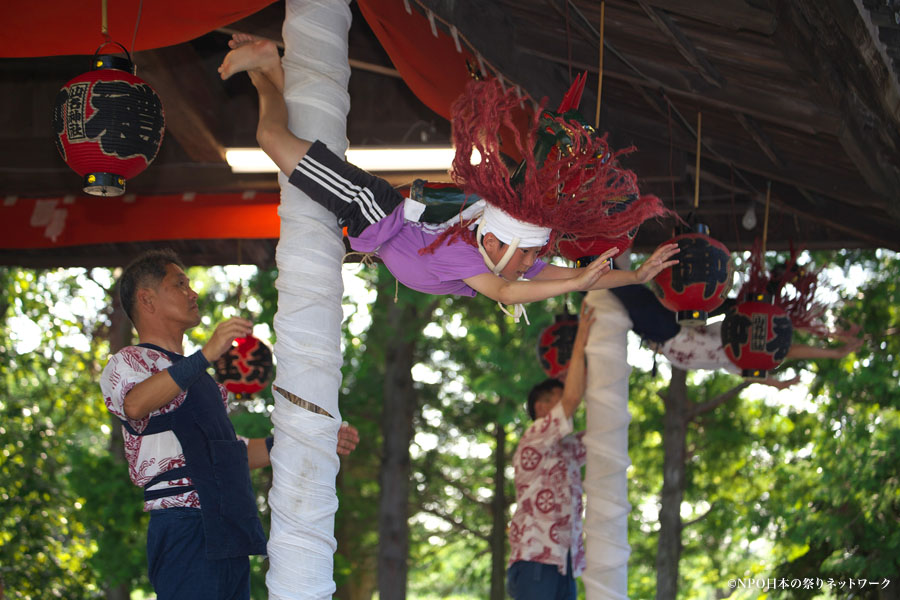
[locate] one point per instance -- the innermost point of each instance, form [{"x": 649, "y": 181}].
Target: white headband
[{"x": 508, "y": 229}]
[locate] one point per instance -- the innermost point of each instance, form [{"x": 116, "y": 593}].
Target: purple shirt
[{"x": 398, "y": 241}]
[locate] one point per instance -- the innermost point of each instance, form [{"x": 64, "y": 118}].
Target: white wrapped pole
[
  {"x": 308, "y": 322},
  {"x": 605, "y": 482}
]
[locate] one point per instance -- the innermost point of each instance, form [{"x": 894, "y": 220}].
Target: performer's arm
[
  {"x": 161, "y": 388},
  {"x": 659, "y": 260},
  {"x": 257, "y": 453},
  {"x": 573, "y": 389},
  {"x": 258, "y": 448},
  {"x": 803, "y": 351}
]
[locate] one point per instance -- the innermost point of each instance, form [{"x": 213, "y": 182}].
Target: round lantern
[
  {"x": 555, "y": 344},
  {"x": 699, "y": 282},
  {"x": 246, "y": 368},
  {"x": 109, "y": 125},
  {"x": 756, "y": 335}
]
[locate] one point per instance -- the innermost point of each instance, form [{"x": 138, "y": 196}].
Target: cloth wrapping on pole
[
  {"x": 308, "y": 322},
  {"x": 606, "y": 440}
]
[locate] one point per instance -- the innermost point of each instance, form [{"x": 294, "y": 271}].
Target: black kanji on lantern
[
  {"x": 563, "y": 340},
  {"x": 126, "y": 111},
  {"x": 260, "y": 363},
  {"x": 227, "y": 367},
  {"x": 700, "y": 262},
  {"x": 784, "y": 334},
  {"x": 736, "y": 330},
  {"x": 555, "y": 344}
]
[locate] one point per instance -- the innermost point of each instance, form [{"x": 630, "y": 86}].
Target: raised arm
[
  {"x": 659, "y": 260},
  {"x": 573, "y": 390},
  {"x": 161, "y": 388}
]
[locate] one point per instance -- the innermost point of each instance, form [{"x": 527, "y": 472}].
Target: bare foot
[
  {"x": 239, "y": 39},
  {"x": 250, "y": 53}
]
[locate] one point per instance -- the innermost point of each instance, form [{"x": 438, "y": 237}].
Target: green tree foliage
[
  {"x": 54, "y": 501},
  {"x": 837, "y": 500}
]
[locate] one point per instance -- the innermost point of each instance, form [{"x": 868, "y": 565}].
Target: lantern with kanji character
[
  {"x": 699, "y": 282},
  {"x": 756, "y": 335},
  {"x": 555, "y": 344},
  {"x": 109, "y": 125},
  {"x": 246, "y": 368}
]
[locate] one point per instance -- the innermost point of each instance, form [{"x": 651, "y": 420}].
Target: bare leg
[{"x": 259, "y": 58}]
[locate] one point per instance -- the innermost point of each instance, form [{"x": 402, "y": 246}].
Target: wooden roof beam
[
  {"x": 822, "y": 210},
  {"x": 179, "y": 77},
  {"x": 684, "y": 46},
  {"x": 762, "y": 140},
  {"x": 857, "y": 81},
  {"x": 794, "y": 114}
]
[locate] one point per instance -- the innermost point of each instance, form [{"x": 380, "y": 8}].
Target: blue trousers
[
  {"x": 177, "y": 563},
  {"x": 529, "y": 580}
]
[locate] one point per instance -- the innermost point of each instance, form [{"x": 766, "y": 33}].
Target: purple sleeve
[{"x": 536, "y": 268}]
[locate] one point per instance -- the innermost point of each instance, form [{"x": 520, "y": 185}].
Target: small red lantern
[
  {"x": 756, "y": 335},
  {"x": 109, "y": 124},
  {"x": 699, "y": 282},
  {"x": 555, "y": 344},
  {"x": 246, "y": 368}
]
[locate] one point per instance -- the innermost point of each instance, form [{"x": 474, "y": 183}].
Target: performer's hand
[
  {"x": 348, "y": 437},
  {"x": 589, "y": 275},
  {"x": 224, "y": 335},
  {"x": 585, "y": 320},
  {"x": 658, "y": 261}
]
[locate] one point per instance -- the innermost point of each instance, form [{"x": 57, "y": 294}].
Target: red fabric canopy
[
  {"x": 72, "y": 221},
  {"x": 432, "y": 63},
  {"x": 55, "y": 27},
  {"x": 429, "y": 60}
]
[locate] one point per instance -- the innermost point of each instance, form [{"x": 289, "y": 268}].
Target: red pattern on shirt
[
  {"x": 147, "y": 456},
  {"x": 547, "y": 523}
]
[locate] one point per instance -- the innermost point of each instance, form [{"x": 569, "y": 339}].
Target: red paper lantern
[
  {"x": 756, "y": 335},
  {"x": 109, "y": 125},
  {"x": 699, "y": 282},
  {"x": 555, "y": 344},
  {"x": 246, "y": 368}
]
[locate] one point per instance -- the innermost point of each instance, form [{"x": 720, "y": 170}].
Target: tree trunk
[
  {"x": 499, "y": 515},
  {"x": 398, "y": 408},
  {"x": 674, "y": 447},
  {"x": 120, "y": 335}
]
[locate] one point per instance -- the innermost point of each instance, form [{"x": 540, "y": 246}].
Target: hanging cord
[
  {"x": 671, "y": 166},
  {"x": 737, "y": 232},
  {"x": 104, "y": 22},
  {"x": 697, "y": 167},
  {"x": 137, "y": 22},
  {"x": 569, "y": 41},
  {"x": 766, "y": 219},
  {"x": 600, "y": 64}
]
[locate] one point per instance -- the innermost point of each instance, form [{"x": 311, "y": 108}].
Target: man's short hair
[
  {"x": 147, "y": 270},
  {"x": 544, "y": 387}
]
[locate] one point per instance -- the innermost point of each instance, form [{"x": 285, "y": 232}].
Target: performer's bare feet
[{"x": 251, "y": 54}]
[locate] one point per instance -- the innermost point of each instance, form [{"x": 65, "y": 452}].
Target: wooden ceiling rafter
[
  {"x": 176, "y": 75},
  {"x": 684, "y": 46},
  {"x": 867, "y": 134}
]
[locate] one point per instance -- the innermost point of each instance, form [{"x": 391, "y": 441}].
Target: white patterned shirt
[
  {"x": 547, "y": 524},
  {"x": 698, "y": 347},
  {"x": 147, "y": 455}
]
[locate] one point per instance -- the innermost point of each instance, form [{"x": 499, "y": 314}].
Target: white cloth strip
[
  {"x": 606, "y": 440},
  {"x": 308, "y": 322}
]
